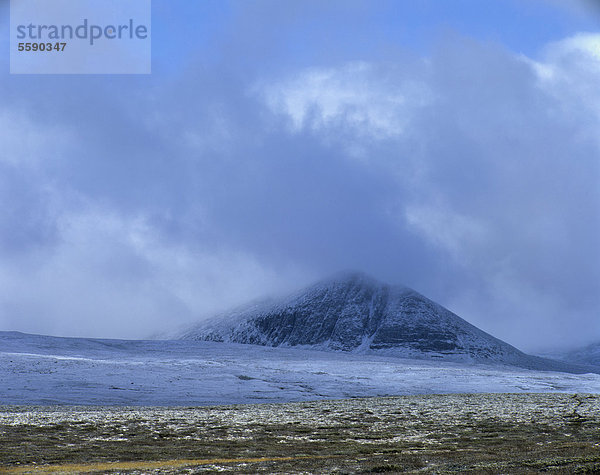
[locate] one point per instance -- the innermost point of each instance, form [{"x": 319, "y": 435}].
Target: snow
[{"x": 50, "y": 370}]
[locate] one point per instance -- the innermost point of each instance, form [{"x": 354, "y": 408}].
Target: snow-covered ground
[{"x": 49, "y": 370}]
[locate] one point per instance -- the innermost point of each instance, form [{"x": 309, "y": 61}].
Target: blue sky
[
  {"x": 302, "y": 34},
  {"x": 451, "y": 146}
]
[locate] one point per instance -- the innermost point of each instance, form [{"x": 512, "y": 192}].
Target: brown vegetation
[{"x": 478, "y": 433}]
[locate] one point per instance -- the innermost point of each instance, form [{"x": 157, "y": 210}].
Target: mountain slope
[
  {"x": 352, "y": 312},
  {"x": 588, "y": 355}
]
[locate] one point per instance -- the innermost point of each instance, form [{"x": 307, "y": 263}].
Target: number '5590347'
[{"x": 42, "y": 46}]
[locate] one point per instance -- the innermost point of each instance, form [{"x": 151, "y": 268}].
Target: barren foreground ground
[{"x": 480, "y": 433}]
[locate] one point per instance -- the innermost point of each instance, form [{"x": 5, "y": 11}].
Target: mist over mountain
[
  {"x": 354, "y": 313},
  {"x": 586, "y": 355}
]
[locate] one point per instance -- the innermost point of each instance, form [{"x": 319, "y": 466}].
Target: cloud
[
  {"x": 108, "y": 271},
  {"x": 568, "y": 72},
  {"x": 456, "y": 234},
  {"x": 503, "y": 178},
  {"x": 373, "y": 102},
  {"x": 470, "y": 175},
  {"x": 25, "y": 143}
]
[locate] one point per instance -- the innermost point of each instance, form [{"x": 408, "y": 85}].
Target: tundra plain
[{"x": 454, "y": 433}]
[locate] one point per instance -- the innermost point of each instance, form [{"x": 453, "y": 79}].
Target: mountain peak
[
  {"x": 352, "y": 311},
  {"x": 351, "y": 276},
  {"x": 352, "y": 279}
]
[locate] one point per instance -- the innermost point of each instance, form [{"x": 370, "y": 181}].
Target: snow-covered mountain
[
  {"x": 587, "y": 355},
  {"x": 353, "y": 312}
]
